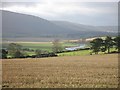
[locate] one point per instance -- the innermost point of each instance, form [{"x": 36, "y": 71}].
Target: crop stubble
[{"x": 60, "y": 72}]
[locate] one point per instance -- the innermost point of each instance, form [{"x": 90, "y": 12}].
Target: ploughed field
[{"x": 92, "y": 71}]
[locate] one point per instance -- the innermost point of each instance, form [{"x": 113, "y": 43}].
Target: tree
[
  {"x": 57, "y": 47},
  {"x": 18, "y": 54},
  {"x": 103, "y": 46},
  {"x": 15, "y": 50},
  {"x": 38, "y": 53},
  {"x": 96, "y": 45},
  {"x": 108, "y": 43},
  {"x": 3, "y": 53},
  {"x": 117, "y": 42}
]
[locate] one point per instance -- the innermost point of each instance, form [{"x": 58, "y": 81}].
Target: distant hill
[
  {"x": 17, "y": 25},
  {"x": 81, "y": 27},
  {"x": 21, "y": 25},
  {"x": 109, "y": 28}
]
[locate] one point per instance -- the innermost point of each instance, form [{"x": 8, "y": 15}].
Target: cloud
[
  {"x": 60, "y": 0},
  {"x": 60, "y": 10}
]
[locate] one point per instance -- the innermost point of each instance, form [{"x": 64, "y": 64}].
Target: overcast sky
[{"x": 89, "y": 13}]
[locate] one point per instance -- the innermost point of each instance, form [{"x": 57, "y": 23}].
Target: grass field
[
  {"x": 47, "y": 46},
  {"x": 92, "y": 71},
  {"x": 82, "y": 52},
  {"x": 76, "y": 53}
]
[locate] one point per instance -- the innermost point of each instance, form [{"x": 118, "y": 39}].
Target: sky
[{"x": 96, "y": 12}]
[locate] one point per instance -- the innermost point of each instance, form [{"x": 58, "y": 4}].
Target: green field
[
  {"x": 76, "y": 53},
  {"x": 82, "y": 52},
  {"x": 44, "y": 46},
  {"x": 41, "y": 45},
  {"x": 47, "y": 46},
  {"x": 34, "y": 46}
]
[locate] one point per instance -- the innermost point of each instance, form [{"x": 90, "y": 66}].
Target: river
[{"x": 81, "y": 46}]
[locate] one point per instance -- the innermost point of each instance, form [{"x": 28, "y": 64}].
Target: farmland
[
  {"x": 47, "y": 46},
  {"x": 41, "y": 45},
  {"x": 90, "y": 71},
  {"x": 82, "y": 52},
  {"x": 76, "y": 53}
]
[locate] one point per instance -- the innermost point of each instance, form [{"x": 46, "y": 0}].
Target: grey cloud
[
  {"x": 108, "y": 15},
  {"x": 8, "y": 4}
]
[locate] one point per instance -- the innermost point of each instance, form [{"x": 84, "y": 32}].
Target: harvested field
[{"x": 95, "y": 71}]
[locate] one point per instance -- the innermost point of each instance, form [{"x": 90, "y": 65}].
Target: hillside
[
  {"x": 17, "y": 25},
  {"x": 81, "y": 27}
]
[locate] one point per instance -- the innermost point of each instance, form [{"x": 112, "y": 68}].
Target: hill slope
[{"x": 16, "y": 25}]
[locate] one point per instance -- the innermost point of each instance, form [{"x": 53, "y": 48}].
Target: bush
[{"x": 3, "y": 53}]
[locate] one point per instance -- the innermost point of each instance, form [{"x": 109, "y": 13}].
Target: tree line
[{"x": 104, "y": 45}]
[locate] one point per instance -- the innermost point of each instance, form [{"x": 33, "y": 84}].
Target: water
[{"x": 82, "y": 46}]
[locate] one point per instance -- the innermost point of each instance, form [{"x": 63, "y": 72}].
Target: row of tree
[{"x": 103, "y": 45}]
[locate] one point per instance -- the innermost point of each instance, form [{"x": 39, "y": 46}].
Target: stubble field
[{"x": 95, "y": 71}]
